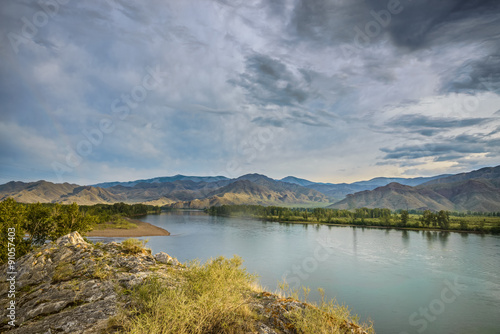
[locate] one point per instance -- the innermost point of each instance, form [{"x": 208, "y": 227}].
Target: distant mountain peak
[
  {"x": 296, "y": 180},
  {"x": 254, "y": 176},
  {"x": 396, "y": 185}
]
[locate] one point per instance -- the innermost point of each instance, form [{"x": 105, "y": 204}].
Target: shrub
[
  {"x": 12, "y": 222},
  {"x": 327, "y": 317},
  {"x": 134, "y": 246},
  {"x": 213, "y": 298}
]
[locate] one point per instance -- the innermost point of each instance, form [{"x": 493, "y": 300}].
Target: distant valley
[{"x": 474, "y": 191}]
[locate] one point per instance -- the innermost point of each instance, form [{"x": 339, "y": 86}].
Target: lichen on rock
[{"x": 72, "y": 286}]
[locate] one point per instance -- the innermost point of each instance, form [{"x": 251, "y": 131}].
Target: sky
[{"x": 331, "y": 91}]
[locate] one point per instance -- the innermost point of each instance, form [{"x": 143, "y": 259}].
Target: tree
[
  {"x": 404, "y": 217},
  {"x": 443, "y": 219},
  {"x": 39, "y": 223},
  {"x": 463, "y": 225},
  {"x": 12, "y": 220},
  {"x": 68, "y": 218},
  {"x": 23, "y": 226},
  {"x": 427, "y": 218}
]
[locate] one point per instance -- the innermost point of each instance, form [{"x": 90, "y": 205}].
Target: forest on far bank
[{"x": 378, "y": 217}]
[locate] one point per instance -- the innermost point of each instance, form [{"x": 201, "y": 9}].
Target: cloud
[
  {"x": 326, "y": 22},
  {"x": 426, "y": 23},
  {"x": 422, "y": 122},
  {"x": 476, "y": 75},
  {"x": 450, "y": 148},
  {"x": 233, "y": 72},
  {"x": 279, "y": 123},
  {"x": 270, "y": 81}
]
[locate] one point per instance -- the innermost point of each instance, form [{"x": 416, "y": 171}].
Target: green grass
[
  {"x": 324, "y": 317},
  {"x": 116, "y": 222},
  {"x": 310, "y": 205}
]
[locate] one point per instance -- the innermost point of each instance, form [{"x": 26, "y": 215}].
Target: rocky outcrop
[{"x": 72, "y": 286}]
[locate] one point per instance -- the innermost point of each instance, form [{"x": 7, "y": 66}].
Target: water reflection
[
  {"x": 406, "y": 237},
  {"x": 354, "y": 241},
  {"x": 443, "y": 238},
  {"x": 435, "y": 236}
]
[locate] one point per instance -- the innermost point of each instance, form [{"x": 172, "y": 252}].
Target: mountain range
[
  {"x": 337, "y": 191},
  {"x": 475, "y": 191}
]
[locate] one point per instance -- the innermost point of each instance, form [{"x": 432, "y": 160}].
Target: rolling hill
[
  {"x": 260, "y": 191},
  {"x": 39, "y": 191},
  {"x": 337, "y": 191},
  {"x": 396, "y": 196},
  {"x": 188, "y": 192},
  {"x": 474, "y": 191}
]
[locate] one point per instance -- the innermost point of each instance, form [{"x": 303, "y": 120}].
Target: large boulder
[{"x": 163, "y": 257}]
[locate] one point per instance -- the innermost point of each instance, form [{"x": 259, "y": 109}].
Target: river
[{"x": 405, "y": 281}]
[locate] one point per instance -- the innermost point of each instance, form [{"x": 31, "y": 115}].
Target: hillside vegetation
[
  {"x": 376, "y": 217},
  {"x": 34, "y": 224}
]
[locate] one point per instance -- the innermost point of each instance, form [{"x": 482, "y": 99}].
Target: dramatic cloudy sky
[{"x": 338, "y": 90}]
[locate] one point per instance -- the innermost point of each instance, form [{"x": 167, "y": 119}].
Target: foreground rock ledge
[{"x": 72, "y": 286}]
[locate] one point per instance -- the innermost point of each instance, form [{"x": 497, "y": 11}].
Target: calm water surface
[{"x": 405, "y": 281}]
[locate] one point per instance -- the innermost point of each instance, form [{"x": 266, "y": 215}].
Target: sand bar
[{"x": 143, "y": 230}]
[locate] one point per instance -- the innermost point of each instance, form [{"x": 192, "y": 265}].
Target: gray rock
[
  {"x": 163, "y": 257},
  {"x": 73, "y": 238},
  {"x": 70, "y": 286}
]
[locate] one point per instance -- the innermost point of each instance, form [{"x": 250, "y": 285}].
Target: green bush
[
  {"x": 134, "y": 246},
  {"x": 32, "y": 224},
  {"x": 12, "y": 223}
]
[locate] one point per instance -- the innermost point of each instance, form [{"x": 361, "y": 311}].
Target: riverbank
[
  {"x": 366, "y": 217},
  {"x": 143, "y": 229},
  {"x": 360, "y": 225},
  {"x": 399, "y": 228}
]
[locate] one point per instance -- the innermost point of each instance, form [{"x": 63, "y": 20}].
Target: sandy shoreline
[{"x": 143, "y": 230}]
